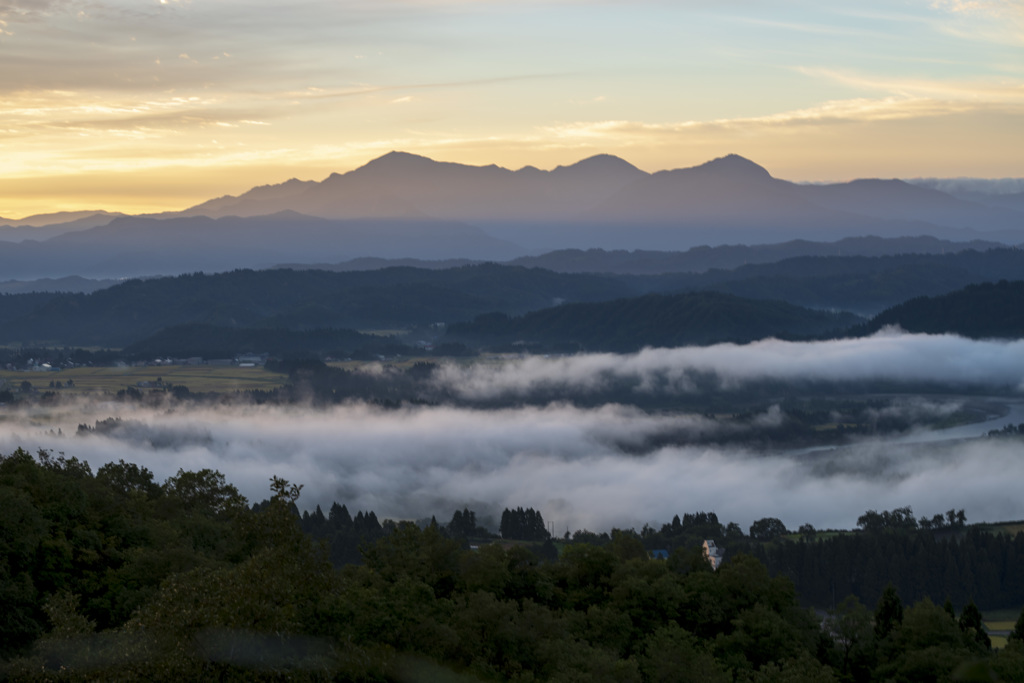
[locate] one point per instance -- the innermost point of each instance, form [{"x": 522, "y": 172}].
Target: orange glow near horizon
[{"x": 144, "y": 108}]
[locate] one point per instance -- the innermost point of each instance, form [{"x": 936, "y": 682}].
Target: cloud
[
  {"x": 594, "y": 467},
  {"x": 32, "y": 9},
  {"x": 887, "y": 355},
  {"x": 829, "y": 113},
  {"x": 1000, "y": 21},
  {"x": 993, "y": 186},
  {"x": 939, "y": 91},
  {"x": 566, "y": 462}
]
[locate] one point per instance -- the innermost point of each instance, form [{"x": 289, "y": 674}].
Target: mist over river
[{"x": 602, "y": 466}]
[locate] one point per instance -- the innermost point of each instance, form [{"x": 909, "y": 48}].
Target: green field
[
  {"x": 198, "y": 378},
  {"x": 408, "y": 361},
  {"x": 1011, "y": 528},
  {"x": 999, "y": 623},
  {"x": 1008, "y": 614}
]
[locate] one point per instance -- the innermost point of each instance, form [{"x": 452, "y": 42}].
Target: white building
[{"x": 713, "y": 554}]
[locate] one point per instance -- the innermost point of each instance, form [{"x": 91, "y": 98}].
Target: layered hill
[
  {"x": 290, "y": 300},
  {"x": 405, "y": 297},
  {"x": 991, "y": 310},
  {"x": 606, "y": 202},
  {"x": 135, "y": 247},
  {"x": 864, "y": 285},
  {"x": 407, "y": 206},
  {"x": 655, "y": 320},
  {"x": 693, "y": 260}
]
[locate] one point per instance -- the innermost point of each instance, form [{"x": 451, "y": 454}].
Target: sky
[{"x": 149, "y": 105}]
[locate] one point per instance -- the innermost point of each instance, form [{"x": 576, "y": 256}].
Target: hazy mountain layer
[
  {"x": 72, "y": 283},
  {"x": 704, "y": 258},
  {"x": 66, "y": 220},
  {"x": 133, "y": 247},
  {"x": 606, "y": 202},
  {"x": 404, "y": 206}
]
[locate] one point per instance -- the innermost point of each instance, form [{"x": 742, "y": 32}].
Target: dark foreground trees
[{"x": 115, "y": 577}]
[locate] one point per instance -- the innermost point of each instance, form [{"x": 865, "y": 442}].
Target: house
[{"x": 713, "y": 554}]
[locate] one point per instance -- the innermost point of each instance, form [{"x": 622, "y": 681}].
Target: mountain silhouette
[
  {"x": 604, "y": 201},
  {"x": 404, "y": 205}
]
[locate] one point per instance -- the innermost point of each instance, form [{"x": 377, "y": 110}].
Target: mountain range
[{"x": 403, "y": 205}]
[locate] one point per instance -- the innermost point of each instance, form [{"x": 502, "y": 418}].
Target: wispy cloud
[
  {"x": 831, "y": 113},
  {"x": 911, "y": 358},
  {"x": 949, "y": 90},
  {"x": 984, "y": 20},
  {"x": 328, "y": 76}
]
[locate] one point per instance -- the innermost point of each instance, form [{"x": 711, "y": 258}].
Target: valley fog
[{"x": 588, "y": 467}]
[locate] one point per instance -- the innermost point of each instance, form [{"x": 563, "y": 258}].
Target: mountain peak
[
  {"x": 399, "y": 160},
  {"x": 599, "y": 163},
  {"x": 733, "y": 165}
]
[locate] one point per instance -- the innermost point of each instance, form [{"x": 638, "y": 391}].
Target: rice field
[{"x": 109, "y": 380}]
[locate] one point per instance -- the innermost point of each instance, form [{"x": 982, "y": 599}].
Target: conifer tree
[{"x": 888, "y": 613}]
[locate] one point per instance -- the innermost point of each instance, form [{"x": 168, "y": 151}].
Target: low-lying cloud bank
[
  {"x": 591, "y": 467},
  {"x": 890, "y": 355},
  {"x": 565, "y": 461}
]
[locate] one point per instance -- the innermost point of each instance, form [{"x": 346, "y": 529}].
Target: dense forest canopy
[{"x": 114, "y": 575}]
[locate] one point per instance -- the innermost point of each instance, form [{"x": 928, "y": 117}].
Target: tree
[
  {"x": 206, "y": 492},
  {"x": 523, "y": 525},
  {"x": 850, "y": 623},
  {"x": 970, "y": 623},
  {"x": 888, "y": 612},
  {"x": 627, "y": 546},
  {"x": 767, "y": 528},
  {"x": 671, "y": 654},
  {"x": 1017, "y": 634},
  {"x": 128, "y": 479},
  {"x": 463, "y": 524},
  {"x": 339, "y": 517}
]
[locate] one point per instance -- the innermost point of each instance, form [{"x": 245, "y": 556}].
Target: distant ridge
[
  {"x": 60, "y": 217},
  {"x": 732, "y": 165},
  {"x": 605, "y": 202},
  {"x": 694, "y": 260},
  {"x": 703, "y": 258},
  {"x": 988, "y": 310},
  {"x": 137, "y": 247},
  {"x": 408, "y": 206},
  {"x": 44, "y": 226},
  {"x": 72, "y": 283}
]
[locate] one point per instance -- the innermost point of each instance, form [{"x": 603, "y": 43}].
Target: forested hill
[
  {"x": 987, "y": 310},
  {"x": 291, "y": 299},
  {"x": 653, "y": 320},
  {"x": 862, "y": 284},
  {"x": 405, "y": 297}
]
